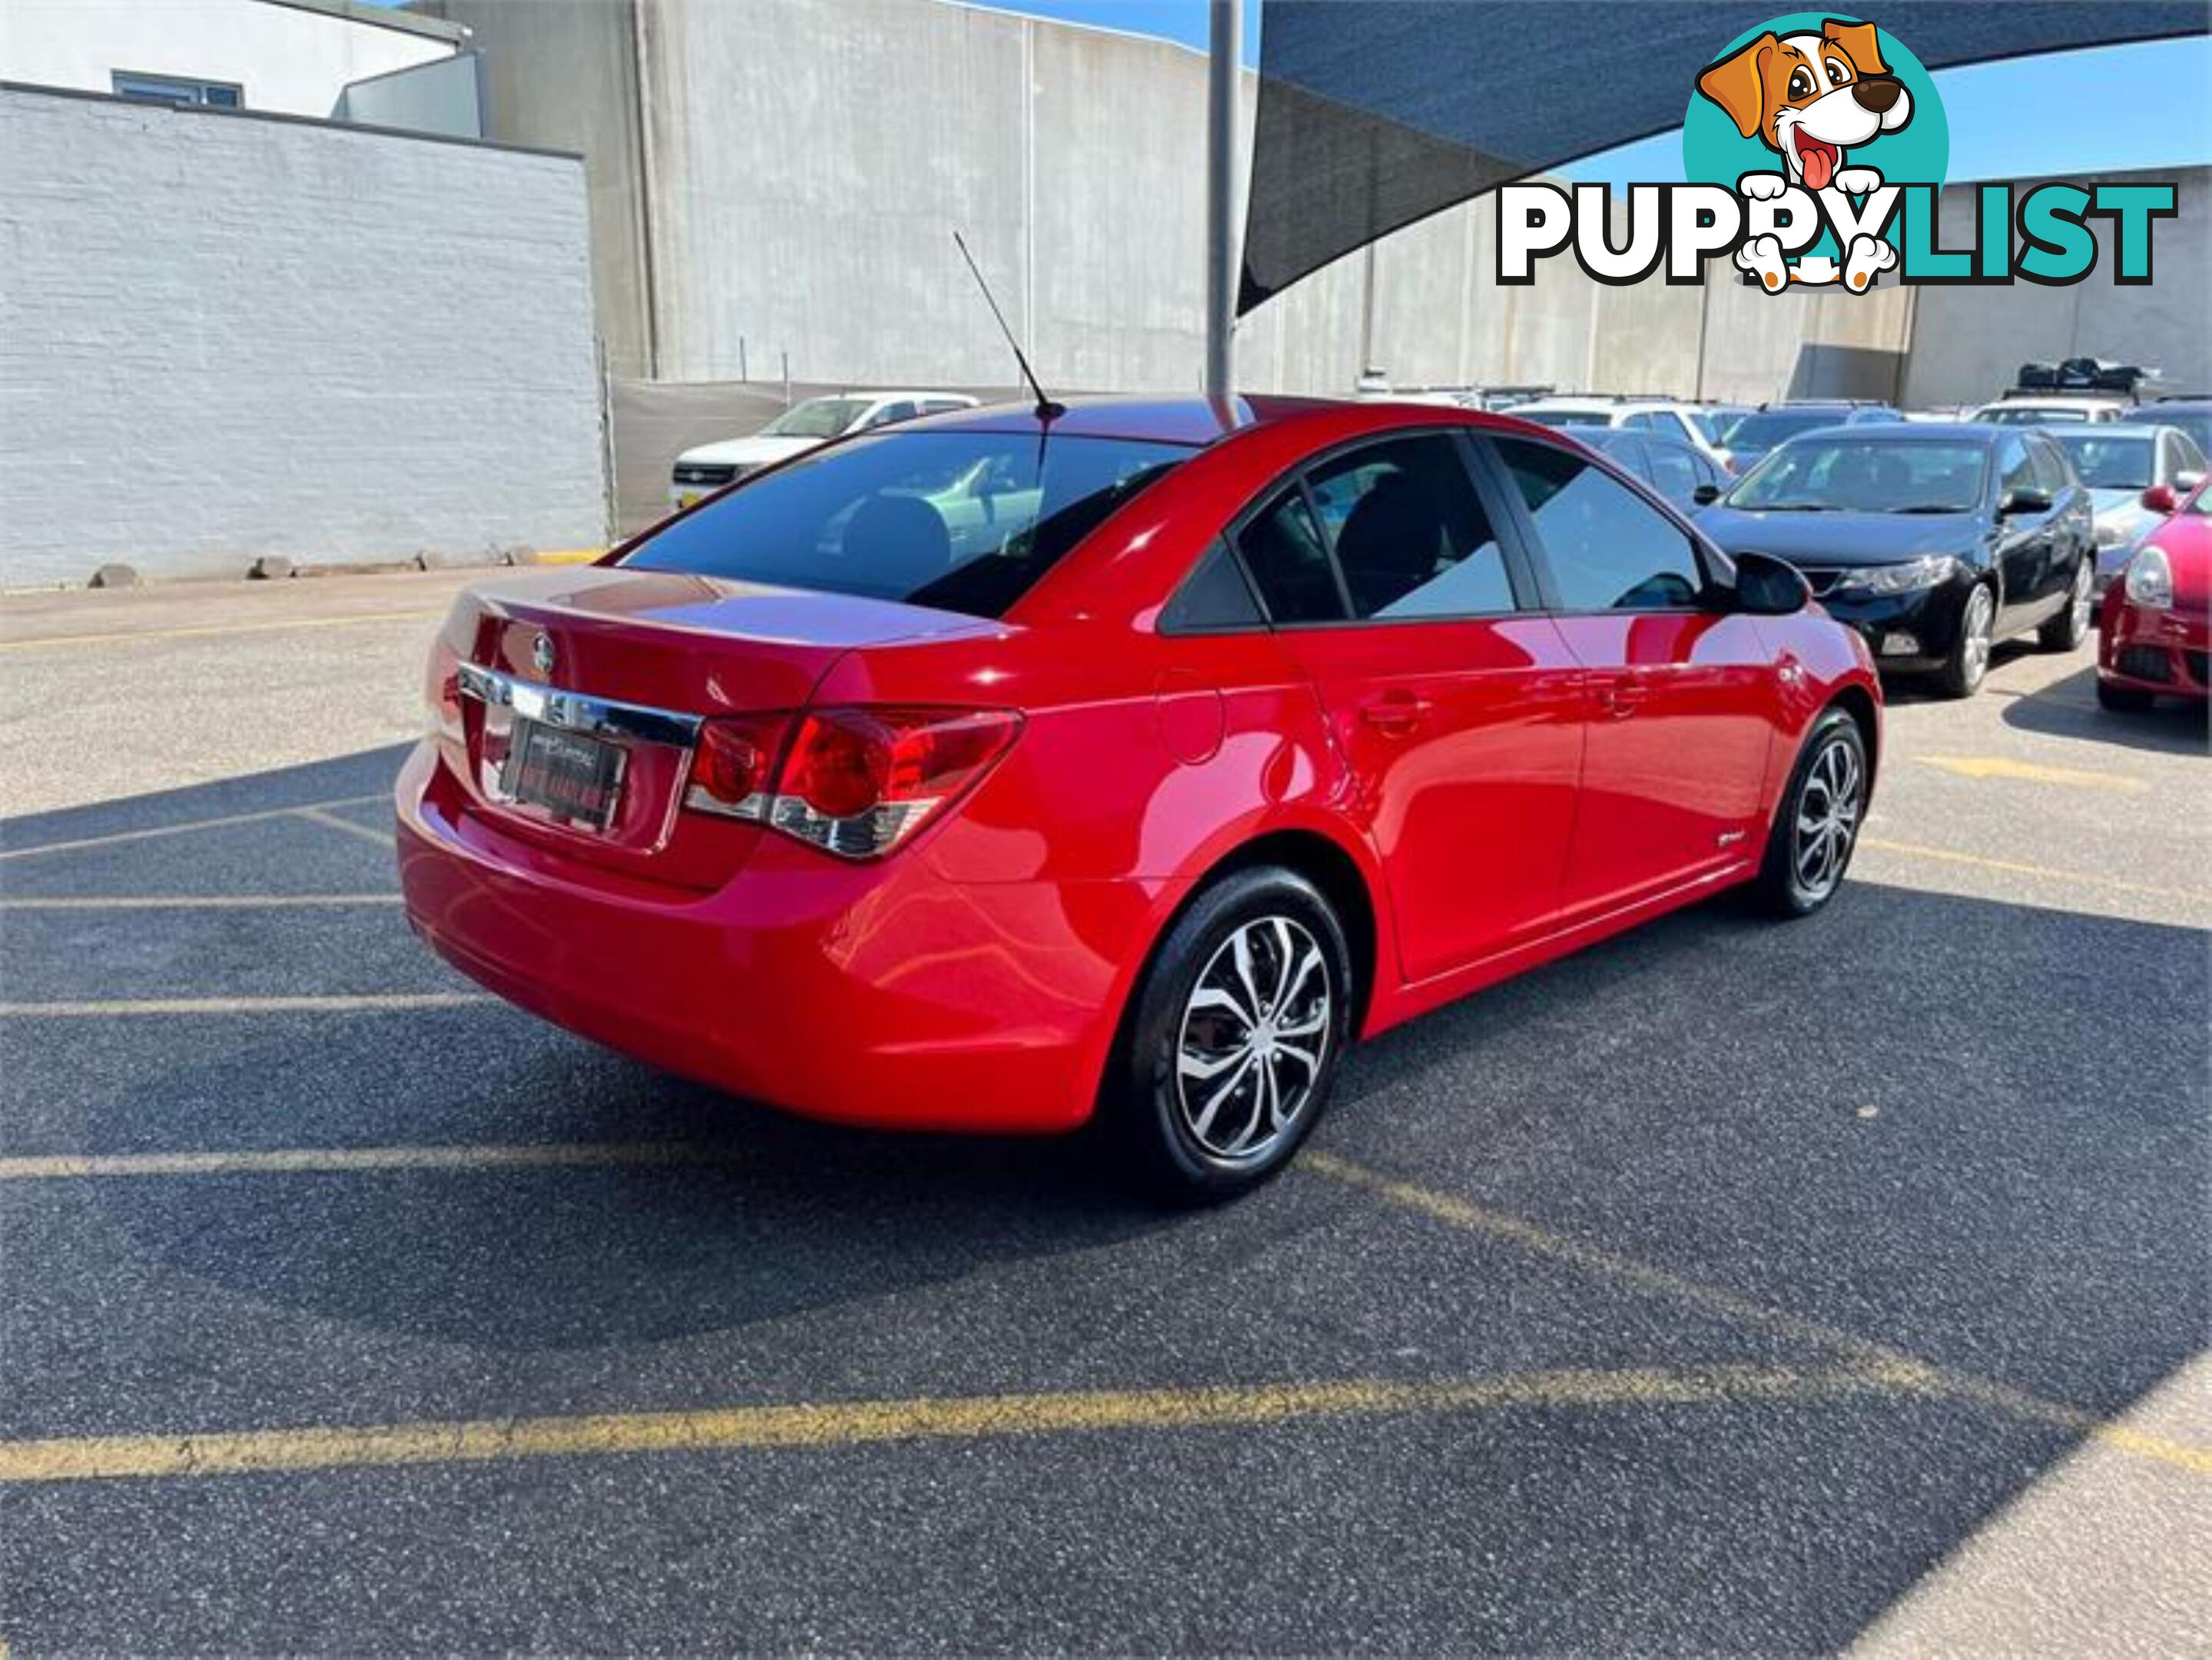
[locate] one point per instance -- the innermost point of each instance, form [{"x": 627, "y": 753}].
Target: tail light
[{"x": 853, "y": 781}]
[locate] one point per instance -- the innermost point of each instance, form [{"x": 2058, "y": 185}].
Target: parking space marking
[
  {"x": 331, "y": 821},
  {"x": 1998, "y": 766},
  {"x": 366, "y": 1003},
  {"x": 225, "y": 822},
  {"x": 2010, "y": 867},
  {"x": 1904, "y": 1373},
  {"x": 215, "y": 630},
  {"x": 202, "y": 902},
  {"x": 326, "y": 1161},
  {"x": 817, "y": 1425}
]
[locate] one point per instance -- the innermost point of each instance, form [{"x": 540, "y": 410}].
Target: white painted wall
[
  {"x": 222, "y": 336},
  {"x": 289, "y": 61}
]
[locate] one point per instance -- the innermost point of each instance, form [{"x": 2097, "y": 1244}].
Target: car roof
[
  {"x": 1193, "y": 421},
  {"x": 2112, "y": 429},
  {"x": 1913, "y": 432}
]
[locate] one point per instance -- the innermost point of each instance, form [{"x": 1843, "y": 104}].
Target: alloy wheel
[
  {"x": 1255, "y": 1036},
  {"x": 1828, "y": 808},
  {"x": 1974, "y": 641}
]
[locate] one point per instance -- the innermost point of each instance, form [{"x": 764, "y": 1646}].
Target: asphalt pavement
[{"x": 1731, "y": 1287}]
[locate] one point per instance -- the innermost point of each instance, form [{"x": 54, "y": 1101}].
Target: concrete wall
[
  {"x": 290, "y": 60},
  {"x": 222, "y": 336},
  {"x": 1971, "y": 342}
]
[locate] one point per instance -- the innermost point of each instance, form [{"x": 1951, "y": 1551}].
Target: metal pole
[{"x": 1224, "y": 67}]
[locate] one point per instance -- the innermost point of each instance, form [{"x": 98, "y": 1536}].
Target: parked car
[
  {"x": 1934, "y": 542},
  {"x": 2118, "y": 463},
  {"x": 2157, "y": 627},
  {"x": 1750, "y": 438},
  {"x": 1677, "y": 471},
  {"x": 1143, "y": 792},
  {"x": 1661, "y": 417},
  {"x": 700, "y": 472},
  {"x": 2053, "y": 410}
]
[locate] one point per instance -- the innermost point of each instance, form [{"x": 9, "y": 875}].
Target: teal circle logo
[{"x": 1814, "y": 100}]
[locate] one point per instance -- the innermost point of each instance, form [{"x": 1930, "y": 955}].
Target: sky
[{"x": 2118, "y": 107}]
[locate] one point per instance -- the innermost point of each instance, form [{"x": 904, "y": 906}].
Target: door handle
[
  {"x": 1395, "y": 712},
  {"x": 1620, "y": 697}
]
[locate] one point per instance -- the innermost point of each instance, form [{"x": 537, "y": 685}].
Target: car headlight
[
  {"x": 1909, "y": 577},
  {"x": 2150, "y": 580}
]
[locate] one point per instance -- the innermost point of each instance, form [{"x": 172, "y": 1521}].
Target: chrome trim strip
[{"x": 599, "y": 716}]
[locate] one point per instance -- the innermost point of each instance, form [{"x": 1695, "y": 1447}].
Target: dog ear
[
  {"x": 1861, "y": 42},
  {"x": 1734, "y": 84}
]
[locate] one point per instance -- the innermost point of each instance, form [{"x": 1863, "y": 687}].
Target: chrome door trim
[{"x": 601, "y": 717}]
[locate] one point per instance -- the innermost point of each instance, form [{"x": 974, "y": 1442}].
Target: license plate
[{"x": 571, "y": 776}]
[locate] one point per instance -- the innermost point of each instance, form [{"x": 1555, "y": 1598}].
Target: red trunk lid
[{"x": 630, "y": 648}]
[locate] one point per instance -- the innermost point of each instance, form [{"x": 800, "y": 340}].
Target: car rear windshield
[
  {"x": 1568, "y": 418},
  {"x": 1865, "y": 475},
  {"x": 1763, "y": 429},
  {"x": 959, "y": 521},
  {"x": 2108, "y": 463}
]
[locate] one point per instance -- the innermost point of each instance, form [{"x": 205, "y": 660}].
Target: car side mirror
[
  {"x": 1705, "y": 495},
  {"x": 1767, "y": 586},
  {"x": 2024, "y": 498},
  {"x": 2160, "y": 499}
]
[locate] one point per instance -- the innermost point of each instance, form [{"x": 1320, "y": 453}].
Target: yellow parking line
[
  {"x": 1998, "y": 766},
  {"x": 200, "y": 902},
  {"x": 331, "y": 821},
  {"x": 225, "y": 822},
  {"x": 1948, "y": 855},
  {"x": 836, "y": 1423},
  {"x": 374, "y": 1003},
  {"x": 329, "y": 1161},
  {"x": 1901, "y": 1371}
]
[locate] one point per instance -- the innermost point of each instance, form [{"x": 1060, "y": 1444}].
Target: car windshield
[
  {"x": 2197, "y": 424},
  {"x": 1865, "y": 475},
  {"x": 2108, "y": 463},
  {"x": 1763, "y": 429},
  {"x": 1568, "y": 418},
  {"x": 1711, "y": 423},
  {"x": 817, "y": 417},
  {"x": 961, "y": 521}
]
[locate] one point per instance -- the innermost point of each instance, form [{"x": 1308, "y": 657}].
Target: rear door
[
  {"x": 1684, "y": 698},
  {"x": 1457, "y": 710},
  {"x": 2025, "y": 562}
]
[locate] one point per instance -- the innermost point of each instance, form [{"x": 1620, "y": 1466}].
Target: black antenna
[{"x": 1046, "y": 409}]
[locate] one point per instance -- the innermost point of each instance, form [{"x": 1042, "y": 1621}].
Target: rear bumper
[
  {"x": 2159, "y": 652},
  {"x": 870, "y": 994}
]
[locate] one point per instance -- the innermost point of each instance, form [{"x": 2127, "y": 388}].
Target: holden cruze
[{"x": 1013, "y": 766}]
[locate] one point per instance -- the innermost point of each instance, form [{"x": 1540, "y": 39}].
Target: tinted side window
[
  {"x": 1411, "y": 536},
  {"x": 1673, "y": 472},
  {"x": 1284, "y": 551},
  {"x": 1607, "y": 549},
  {"x": 1214, "y": 598},
  {"x": 2052, "y": 474},
  {"x": 2017, "y": 472}
]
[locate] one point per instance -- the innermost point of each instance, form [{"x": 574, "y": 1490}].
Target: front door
[
  {"x": 1684, "y": 702},
  {"x": 1457, "y": 712}
]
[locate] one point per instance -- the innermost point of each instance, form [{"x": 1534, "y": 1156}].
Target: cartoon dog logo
[{"x": 1810, "y": 98}]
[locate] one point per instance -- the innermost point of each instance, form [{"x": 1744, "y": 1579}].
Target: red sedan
[
  {"x": 2153, "y": 634},
  {"x": 995, "y": 770}
]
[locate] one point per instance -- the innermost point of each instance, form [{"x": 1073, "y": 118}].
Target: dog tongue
[{"x": 1819, "y": 161}]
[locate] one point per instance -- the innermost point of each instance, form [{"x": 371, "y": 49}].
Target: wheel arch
[{"x": 1857, "y": 702}]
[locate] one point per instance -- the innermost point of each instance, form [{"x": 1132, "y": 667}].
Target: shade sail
[{"x": 1374, "y": 113}]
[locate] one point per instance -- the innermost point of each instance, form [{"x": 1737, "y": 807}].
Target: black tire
[
  {"x": 1175, "y": 1149},
  {"x": 2122, "y": 699},
  {"x": 1968, "y": 667},
  {"x": 2070, "y": 626},
  {"x": 1782, "y": 888}
]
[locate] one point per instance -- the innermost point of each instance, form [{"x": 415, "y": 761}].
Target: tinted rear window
[{"x": 959, "y": 521}]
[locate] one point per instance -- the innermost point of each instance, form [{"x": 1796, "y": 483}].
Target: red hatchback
[
  {"x": 2156, "y": 625},
  {"x": 988, "y": 772}
]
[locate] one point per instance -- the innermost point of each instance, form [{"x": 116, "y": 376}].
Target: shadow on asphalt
[{"x": 2068, "y": 708}]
